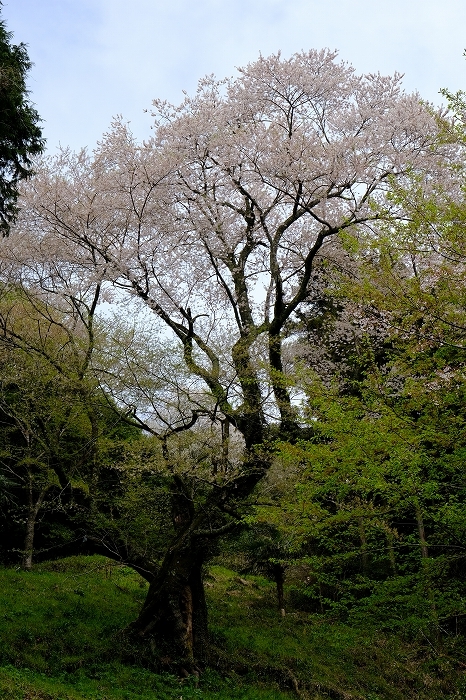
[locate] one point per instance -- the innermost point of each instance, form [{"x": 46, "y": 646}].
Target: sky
[{"x": 96, "y": 59}]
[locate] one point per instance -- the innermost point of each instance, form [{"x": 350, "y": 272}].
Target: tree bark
[
  {"x": 174, "y": 613},
  {"x": 33, "y": 510}
]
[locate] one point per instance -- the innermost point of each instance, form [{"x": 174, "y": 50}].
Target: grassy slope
[{"x": 60, "y": 641}]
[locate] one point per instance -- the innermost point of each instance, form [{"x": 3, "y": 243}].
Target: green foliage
[
  {"x": 380, "y": 495},
  {"x": 373, "y": 502},
  {"x": 60, "y": 440}
]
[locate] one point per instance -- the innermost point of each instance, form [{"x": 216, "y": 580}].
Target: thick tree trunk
[{"x": 174, "y": 614}]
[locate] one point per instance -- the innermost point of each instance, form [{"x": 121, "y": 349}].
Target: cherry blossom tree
[{"x": 213, "y": 228}]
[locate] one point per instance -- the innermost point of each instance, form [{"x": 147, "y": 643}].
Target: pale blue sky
[{"x": 98, "y": 58}]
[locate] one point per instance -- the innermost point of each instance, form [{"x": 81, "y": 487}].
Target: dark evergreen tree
[{"x": 20, "y": 134}]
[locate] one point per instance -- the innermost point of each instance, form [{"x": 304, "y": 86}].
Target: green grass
[
  {"x": 328, "y": 659},
  {"x": 61, "y": 640}
]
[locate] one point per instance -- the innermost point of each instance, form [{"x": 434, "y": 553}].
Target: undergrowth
[{"x": 62, "y": 639}]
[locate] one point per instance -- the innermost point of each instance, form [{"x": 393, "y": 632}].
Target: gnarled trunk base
[{"x": 174, "y": 616}]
